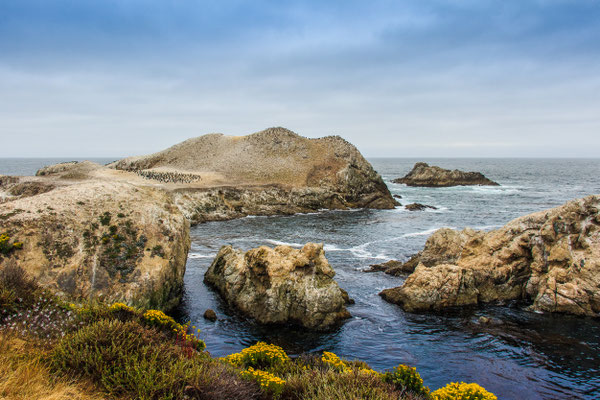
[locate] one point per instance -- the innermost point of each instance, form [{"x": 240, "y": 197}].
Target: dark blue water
[{"x": 522, "y": 355}]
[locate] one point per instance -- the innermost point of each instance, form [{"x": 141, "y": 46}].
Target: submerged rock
[
  {"x": 394, "y": 267},
  {"x": 109, "y": 241},
  {"x": 419, "y": 207},
  {"x": 280, "y": 285},
  {"x": 549, "y": 260},
  {"x": 210, "y": 315},
  {"x": 423, "y": 174}
]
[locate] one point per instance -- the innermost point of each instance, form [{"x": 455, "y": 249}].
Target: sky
[{"x": 413, "y": 78}]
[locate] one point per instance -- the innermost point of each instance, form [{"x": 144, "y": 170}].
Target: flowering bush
[
  {"x": 121, "y": 307},
  {"x": 334, "y": 361},
  {"x": 6, "y": 246},
  {"x": 188, "y": 341},
  {"x": 267, "y": 381},
  {"x": 462, "y": 391},
  {"x": 407, "y": 379},
  {"x": 260, "y": 355}
]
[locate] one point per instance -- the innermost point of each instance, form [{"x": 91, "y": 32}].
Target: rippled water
[{"x": 521, "y": 355}]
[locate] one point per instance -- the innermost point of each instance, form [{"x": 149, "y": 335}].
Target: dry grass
[{"x": 23, "y": 376}]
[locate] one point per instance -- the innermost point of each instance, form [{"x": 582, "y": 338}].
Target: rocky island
[
  {"x": 549, "y": 260},
  {"x": 425, "y": 175},
  {"x": 280, "y": 285},
  {"x": 121, "y": 232}
]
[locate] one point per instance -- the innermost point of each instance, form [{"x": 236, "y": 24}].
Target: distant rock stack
[{"x": 425, "y": 175}]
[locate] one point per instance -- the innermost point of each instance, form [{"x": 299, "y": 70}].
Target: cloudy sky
[{"x": 412, "y": 78}]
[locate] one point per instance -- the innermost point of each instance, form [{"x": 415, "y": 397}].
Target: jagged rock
[
  {"x": 423, "y": 174},
  {"x": 210, "y": 315},
  {"x": 102, "y": 240},
  {"x": 549, "y": 259},
  {"x": 280, "y": 285},
  {"x": 419, "y": 207},
  {"x": 397, "y": 196},
  {"x": 394, "y": 267}
]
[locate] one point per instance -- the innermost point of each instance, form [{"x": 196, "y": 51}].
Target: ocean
[{"x": 523, "y": 355}]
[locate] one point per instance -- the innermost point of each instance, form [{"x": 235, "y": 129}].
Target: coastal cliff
[
  {"x": 109, "y": 241},
  {"x": 274, "y": 171},
  {"x": 549, "y": 260}
]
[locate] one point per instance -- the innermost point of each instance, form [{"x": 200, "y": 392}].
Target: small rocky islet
[{"x": 425, "y": 175}]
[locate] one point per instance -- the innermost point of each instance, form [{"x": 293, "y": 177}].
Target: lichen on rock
[{"x": 280, "y": 285}]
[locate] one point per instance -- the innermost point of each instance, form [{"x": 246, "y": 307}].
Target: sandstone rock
[
  {"x": 423, "y": 174},
  {"x": 274, "y": 171},
  {"x": 103, "y": 240},
  {"x": 280, "y": 285},
  {"x": 210, "y": 315},
  {"x": 394, "y": 267},
  {"x": 419, "y": 207},
  {"x": 549, "y": 259}
]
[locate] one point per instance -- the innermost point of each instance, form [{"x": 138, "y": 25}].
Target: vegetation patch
[
  {"x": 119, "y": 351},
  {"x": 7, "y": 245}
]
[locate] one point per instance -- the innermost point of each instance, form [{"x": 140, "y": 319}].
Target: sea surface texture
[{"x": 520, "y": 355}]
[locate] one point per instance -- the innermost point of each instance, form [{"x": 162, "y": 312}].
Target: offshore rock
[
  {"x": 423, "y": 174},
  {"x": 105, "y": 240},
  {"x": 280, "y": 285},
  {"x": 549, "y": 260},
  {"x": 419, "y": 207}
]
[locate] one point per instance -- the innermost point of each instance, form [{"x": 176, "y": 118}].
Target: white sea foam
[
  {"x": 425, "y": 232},
  {"x": 199, "y": 255},
  {"x": 280, "y": 243}
]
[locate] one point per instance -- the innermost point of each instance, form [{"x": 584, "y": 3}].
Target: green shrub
[
  {"x": 332, "y": 385},
  {"x": 126, "y": 359},
  {"x": 406, "y": 379}
]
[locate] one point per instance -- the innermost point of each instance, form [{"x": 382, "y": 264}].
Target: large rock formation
[
  {"x": 103, "y": 240},
  {"x": 280, "y": 285},
  {"x": 274, "y": 171},
  {"x": 549, "y": 259},
  {"x": 423, "y": 174}
]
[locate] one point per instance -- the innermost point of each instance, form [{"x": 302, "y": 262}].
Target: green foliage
[
  {"x": 7, "y": 245},
  {"x": 105, "y": 218},
  {"x": 124, "y": 358},
  {"x": 406, "y": 379}
]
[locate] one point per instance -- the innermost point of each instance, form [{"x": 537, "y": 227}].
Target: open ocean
[{"x": 523, "y": 356}]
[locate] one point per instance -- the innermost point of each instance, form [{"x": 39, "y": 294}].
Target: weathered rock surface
[
  {"x": 423, "y": 174},
  {"x": 280, "y": 285},
  {"x": 549, "y": 259},
  {"x": 394, "y": 267},
  {"x": 419, "y": 207},
  {"x": 103, "y": 240},
  {"x": 274, "y": 171}
]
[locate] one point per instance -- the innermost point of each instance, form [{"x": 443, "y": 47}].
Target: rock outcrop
[
  {"x": 104, "y": 240},
  {"x": 419, "y": 207},
  {"x": 549, "y": 260},
  {"x": 274, "y": 171},
  {"x": 280, "y": 285},
  {"x": 425, "y": 175},
  {"x": 394, "y": 267}
]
